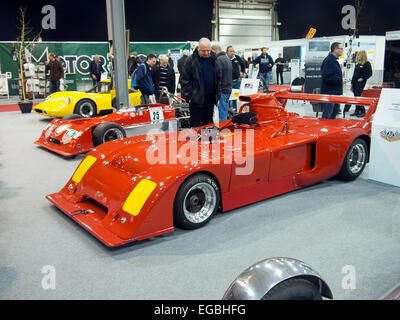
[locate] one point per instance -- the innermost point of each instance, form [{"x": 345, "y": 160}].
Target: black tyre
[
  {"x": 294, "y": 289},
  {"x": 196, "y": 202},
  {"x": 86, "y": 108},
  {"x": 72, "y": 117},
  {"x": 107, "y": 131},
  {"x": 355, "y": 160}
]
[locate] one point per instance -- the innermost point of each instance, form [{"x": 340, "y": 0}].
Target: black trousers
[
  {"x": 279, "y": 74},
  {"x": 200, "y": 116},
  {"x": 358, "y": 88}
]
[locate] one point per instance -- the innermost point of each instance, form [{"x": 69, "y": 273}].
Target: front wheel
[
  {"x": 86, "y": 108},
  {"x": 107, "y": 131},
  {"x": 355, "y": 160},
  {"x": 196, "y": 202}
]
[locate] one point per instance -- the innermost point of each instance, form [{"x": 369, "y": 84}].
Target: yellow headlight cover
[
  {"x": 83, "y": 168},
  {"x": 139, "y": 195}
]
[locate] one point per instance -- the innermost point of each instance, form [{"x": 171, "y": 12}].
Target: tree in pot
[{"x": 25, "y": 41}]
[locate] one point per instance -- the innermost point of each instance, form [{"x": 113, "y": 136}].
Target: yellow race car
[{"x": 99, "y": 100}]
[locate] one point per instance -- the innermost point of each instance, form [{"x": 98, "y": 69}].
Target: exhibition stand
[{"x": 384, "y": 163}]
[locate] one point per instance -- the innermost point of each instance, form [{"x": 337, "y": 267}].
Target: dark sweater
[{"x": 207, "y": 68}]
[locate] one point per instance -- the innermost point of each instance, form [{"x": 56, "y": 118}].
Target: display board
[
  {"x": 384, "y": 165},
  {"x": 317, "y": 51}
]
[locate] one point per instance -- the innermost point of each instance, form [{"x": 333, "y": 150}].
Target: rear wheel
[
  {"x": 196, "y": 202},
  {"x": 294, "y": 289},
  {"x": 355, "y": 160},
  {"x": 107, "y": 131},
  {"x": 86, "y": 108}
]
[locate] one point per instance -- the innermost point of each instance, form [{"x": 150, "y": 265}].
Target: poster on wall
[
  {"x": 317, "y": 50},
  {"x": 4, "y": 85}
]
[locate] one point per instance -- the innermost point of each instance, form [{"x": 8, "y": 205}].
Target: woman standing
[{"x": 362, "y": 73}]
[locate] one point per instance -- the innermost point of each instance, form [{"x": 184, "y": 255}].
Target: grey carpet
[{"x": 329, "y": 226}]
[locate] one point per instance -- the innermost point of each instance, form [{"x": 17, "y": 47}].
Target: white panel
[
  {"x": 244, "y": 21},
  {"x": 230, "y": 30}
]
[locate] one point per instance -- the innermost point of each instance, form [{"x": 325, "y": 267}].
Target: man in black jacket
[
  {"x": 238, "y": 70},
  {"x": 163, "y": 77},
  {"x": 201, "y": 84},
  {"x": 332, "y": 79},
  {"x": 96, "y": 69}
]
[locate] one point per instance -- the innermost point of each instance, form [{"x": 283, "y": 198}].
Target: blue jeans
[
  {"x": 266, "y": 76},
  {"x": 223, "y": 106}
]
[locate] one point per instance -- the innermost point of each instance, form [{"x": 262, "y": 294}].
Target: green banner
[{"x": 76, "y": 56}]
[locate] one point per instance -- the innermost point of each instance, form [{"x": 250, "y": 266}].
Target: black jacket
[
  {"x": 332, "y": 78},
  {"x": 238, "y": 66},
  {"x": 170, "y": 79},
  {"x": 363, "y": 71},
  {"x": 192, "y": 83},
  {"x": 92, "y": 68}
]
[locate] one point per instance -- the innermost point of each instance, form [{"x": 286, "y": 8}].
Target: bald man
[
  {"x": 201, "y": 84},
  {"x": 163, "y": 77}
]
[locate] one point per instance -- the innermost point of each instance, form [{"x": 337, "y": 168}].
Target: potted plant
[{"x": 24, "y": 41}]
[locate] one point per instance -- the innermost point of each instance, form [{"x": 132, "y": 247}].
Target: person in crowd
[
  {"x": 96, "y": 69},
  {"x": 181, "y": 62},
  {"x": 201, "y": 84},
  {"x": 133, "y": 62},
  {"x": 249, "y": 62},
  {"x": 238, "y": 70},
  {"x": 225, "y": 67},
  {"x": 332, "y": 79},
  {"x": 163, "y": 77},
  {"x": 56, "y": 72},
  {"x": 144, "y": 79},
  {"x": 170, "y": 61},
  {"x": 362, "y": 72},
  {"x": 280, "y": 63},
  {"x": 265, "y": 64}
]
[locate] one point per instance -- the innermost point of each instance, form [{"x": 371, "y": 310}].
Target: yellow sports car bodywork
[{"x": 97, "y": 101}]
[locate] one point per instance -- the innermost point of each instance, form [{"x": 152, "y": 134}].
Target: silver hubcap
[
  {"x": 112, "y": 134},
  {"x": 86, "y": 109},
  {"x": 199, "y": 202},
  {"x": 357, "y": 158}
]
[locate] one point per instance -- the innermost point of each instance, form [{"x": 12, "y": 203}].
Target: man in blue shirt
[
  {"x": 265, "y": 63},
  {"x": 144, "y": 79}
]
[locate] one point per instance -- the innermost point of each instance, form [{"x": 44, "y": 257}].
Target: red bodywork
[
  {"x": 288, "y": 152},
  {"x": 71, "y": 137}
]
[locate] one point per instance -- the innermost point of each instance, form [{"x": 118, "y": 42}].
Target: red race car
[
  {"x": 74, "y": 134},
  {"x": 140, "y": 187}
]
